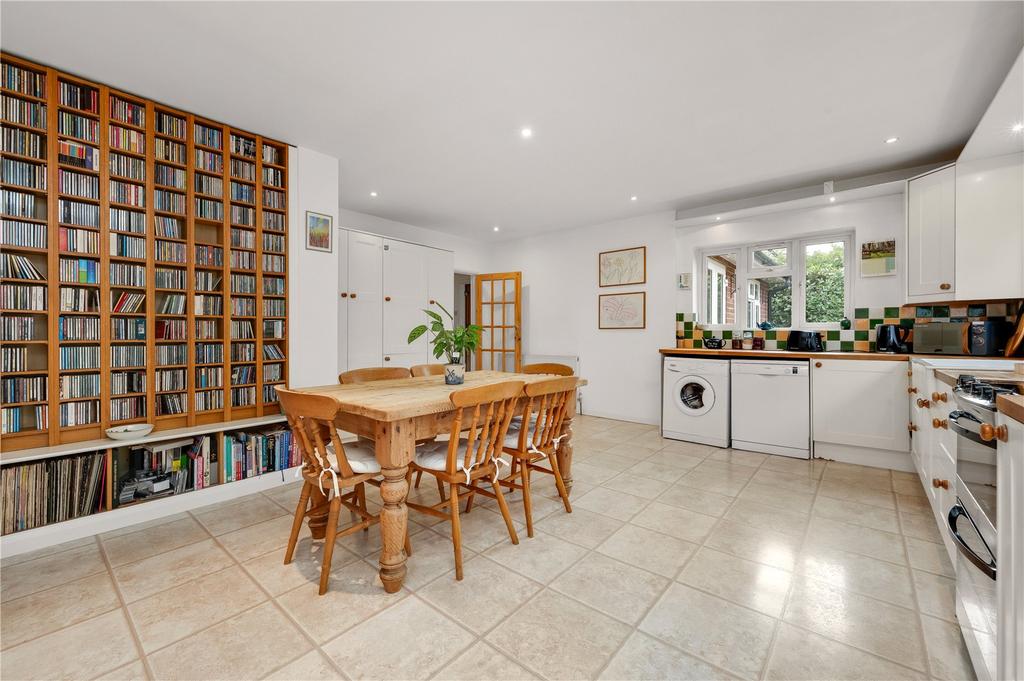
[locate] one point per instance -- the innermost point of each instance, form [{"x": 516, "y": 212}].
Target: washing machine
[{"x": 695, "y": 404}]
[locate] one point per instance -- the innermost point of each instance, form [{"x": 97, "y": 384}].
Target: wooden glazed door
[{"x": 499, "y": 313}]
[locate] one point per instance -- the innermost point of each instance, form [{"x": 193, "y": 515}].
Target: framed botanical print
[
  {"x": 622, "y": 267},
  {"x": 319, "y": 231},
  {"x": 622, "y": 310}
]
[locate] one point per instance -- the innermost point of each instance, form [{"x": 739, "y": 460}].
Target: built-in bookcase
[{"x": 145, "y": 267}]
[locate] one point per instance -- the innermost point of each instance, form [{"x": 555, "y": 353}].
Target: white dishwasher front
[{"x": 771, "y": 407}]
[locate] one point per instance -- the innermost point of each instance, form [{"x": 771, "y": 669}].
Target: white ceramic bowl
[{"x": 130, "y": 432}]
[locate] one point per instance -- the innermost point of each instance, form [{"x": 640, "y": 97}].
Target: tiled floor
[{"x": 679, "y": 561}]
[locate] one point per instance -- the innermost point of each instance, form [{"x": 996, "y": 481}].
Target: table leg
[
  {"x": 395, "y": 445},
  {"x": 564, "y": 452},
  {"x": 318, "y": 520}
]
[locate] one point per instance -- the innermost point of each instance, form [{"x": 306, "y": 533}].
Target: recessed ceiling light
[
  {"x": 892, "y": 140},
  {"x": 718, "y": 218},
  {"x": 526, "y": 133},
  {"x": 373, "y": 195},
  {"x": 633, "y": 198},
  {"x": 496, "y": 228},
  {"x": 1018, "y": 127},
  {"x": 831, "y": 199}
]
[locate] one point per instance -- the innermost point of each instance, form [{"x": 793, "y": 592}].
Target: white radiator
[{"x": 568, "y": 360}]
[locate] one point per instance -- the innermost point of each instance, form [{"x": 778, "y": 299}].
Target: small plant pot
[{"x": 454, "y": 374}]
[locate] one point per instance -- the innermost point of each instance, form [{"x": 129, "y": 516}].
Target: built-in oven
[{"x": 972, "y": 521}]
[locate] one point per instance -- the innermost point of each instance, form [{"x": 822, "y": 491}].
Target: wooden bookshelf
[{"x": 160, "y": 197}]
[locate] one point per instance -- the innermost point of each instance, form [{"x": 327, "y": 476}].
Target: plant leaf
[
  {"x": 417, "y": 332},
  {"x": 433, "y": 315}
]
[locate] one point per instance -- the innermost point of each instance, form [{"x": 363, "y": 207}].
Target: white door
[
  {"x": 405, "y": 298},
  {"x": 441, "y": 279},
  {"x": 342, "y": 241},
  {"x": 364, "y": 300},
  {"x": 861, "y": 402},
  {"x": 931, "y": 236}
]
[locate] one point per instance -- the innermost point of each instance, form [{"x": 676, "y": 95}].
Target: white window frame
[{"x": 795, "y": 268}]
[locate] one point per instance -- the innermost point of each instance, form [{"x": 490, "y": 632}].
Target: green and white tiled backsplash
[{"x": 860, "y": 338}]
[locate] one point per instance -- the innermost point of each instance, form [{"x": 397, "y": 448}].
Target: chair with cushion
[
  {"x": 483, "y": 413},
  {"x": 545, "y": 409},
  {"x": 427, "y": 370},
  {"x": 330, "y": 467},
  {"x": 370, "y": 374}
]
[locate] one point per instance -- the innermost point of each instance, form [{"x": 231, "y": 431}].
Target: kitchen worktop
[
  {"x": 949, "y": 376},
  {"x": 1012, "y": 406},
  {"x": 786, "y": 354}
]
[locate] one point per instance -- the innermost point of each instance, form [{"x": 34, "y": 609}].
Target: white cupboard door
[
  {"x": 931, "y": 236},
  {"x": 1010, "y": 550},
  {"x": 405, "y": 298},
  {"x": 342, "y": 241},
  {"x": 365, "y": 281},
  {"x": 861, "y": 403},
  {"x": 441, "y": 279},
  {"x": 990, "y": 228}
]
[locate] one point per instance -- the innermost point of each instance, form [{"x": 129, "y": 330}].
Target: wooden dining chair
[
  {"x": 331, "y": 467},
  {"x": 549, "y": 402},
  {"x": 464, "y": 462},
  {"x": 427, "y": 370},
  {"x": 548, "y": 368},
  {"x": 370, "y": 374}
]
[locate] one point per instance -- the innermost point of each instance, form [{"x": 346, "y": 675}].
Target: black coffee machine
[{"x": 891, "y": 338}]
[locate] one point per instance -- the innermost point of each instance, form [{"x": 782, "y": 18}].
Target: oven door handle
[{"x": 955, "y": 513}]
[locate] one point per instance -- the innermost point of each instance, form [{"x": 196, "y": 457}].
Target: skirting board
[
  {"x": 69, "y": 530},
  {"x": 864, "y": 456}
]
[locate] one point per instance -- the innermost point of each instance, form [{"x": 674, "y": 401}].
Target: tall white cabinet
[
  {"x": 931, "y": 236},
  {"x": 384, "y": 285}
]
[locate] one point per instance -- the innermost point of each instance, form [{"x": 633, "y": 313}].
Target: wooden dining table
[{"x": 395, "y": 414}]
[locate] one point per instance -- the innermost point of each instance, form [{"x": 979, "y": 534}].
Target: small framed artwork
[
  {"x": 878, "y": 258},
  {"x": 319, "y": 231},
  {"x": 622, "y": 310},
  {"x": 622, "y": 267}
]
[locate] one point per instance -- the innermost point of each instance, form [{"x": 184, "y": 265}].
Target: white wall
[{"x": 874, "y": 219}]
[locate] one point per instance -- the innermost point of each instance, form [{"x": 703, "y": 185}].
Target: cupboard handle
[
  {"x": 912, "y": 390},
  {"x": 989, "y": 432},
  {"x": 945, "y": 287},
  {"x": 817, "y": 364},
  {"x": 386, "y": 358},
  {"x": 352, "y": 295},
  {"x": 910, "y": 374},
  {"x": 911, "y": 427},
  {"x": 344, "y": 295},
  {"x": 923, "y": 403},
  {"x": 939, "y": 397},
  {"x": 387, "y": 299},
  {"x": 937, "y": 483},
  {"x": 432, "y": 302},
  {"x": 940, "y": 423}
]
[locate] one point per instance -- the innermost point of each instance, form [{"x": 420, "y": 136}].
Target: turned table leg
[
  {"x": 564, "y": 452},
  {"x": 395, "y": 444},
  {"x": 318, "y": 520}
]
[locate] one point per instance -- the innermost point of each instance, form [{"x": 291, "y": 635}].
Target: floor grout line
[{"x": 125, "y": 612}]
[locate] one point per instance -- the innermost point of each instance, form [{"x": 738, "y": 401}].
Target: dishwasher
[{"x": 771, "y": 407}]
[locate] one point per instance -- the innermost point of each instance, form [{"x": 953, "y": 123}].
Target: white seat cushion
[
  {"x": 434, "y": 455},
  {"x": 361, "y": 458}
]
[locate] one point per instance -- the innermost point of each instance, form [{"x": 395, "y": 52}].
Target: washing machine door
[{"x": 694, "y": 396}]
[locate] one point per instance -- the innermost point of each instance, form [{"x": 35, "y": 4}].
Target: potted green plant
[{"x": 451, "y": 343}]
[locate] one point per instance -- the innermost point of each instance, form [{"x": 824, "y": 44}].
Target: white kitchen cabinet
[
  {"x": 405, "y": 297},
  {"x": 365, "y": 300},
  {"x": 441, "y": 279},
  {"x": 861, "y": 403},
  {"x": 931, "y": 236},
  {"x": 342, "y": 241},
  {"x": 1010, "y": 550}
]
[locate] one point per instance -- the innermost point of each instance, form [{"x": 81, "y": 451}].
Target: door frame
[{"x": 517, "y": 278}]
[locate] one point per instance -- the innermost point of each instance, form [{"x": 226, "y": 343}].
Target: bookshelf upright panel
[{"x": 273, "y": 221}]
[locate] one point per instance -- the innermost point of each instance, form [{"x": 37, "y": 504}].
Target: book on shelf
[
  {"x": 169, "y": 251},
  {"x": 168, "y": 201},
  {"x": 78, "y": 270},
  {"x": 274, "y": 307},
  {"x": 20, "y": 204},
  {"x": 20, "y": 328},
  {"x": 207, "y": 329},
  {"x": 24, "y": 112},
  {"x": 168, "y": 227},
  {"x": 243, "y": 260},
  {"x": 73, "y": 414},
  {"x": 23, "y": 143},
  {"x": 171, "y": 355},
  {"x": 24, "y": 418},
  {"x": 243, "y": 352},
  {"x": 80, "y": 127},
  {"x": 73, "y": 386},
  {"x": 169, "y": 176},
  {"x": 78, "y": 184},
  {"x": 22, "y": 297},
  {"x": 71, "y": 240},
  {"x": 273, "y": 263},
  {"x": 23, "y": 173},
  {"x": 170, "y": 125},
  {"x": 127, "y": 408},
  {"x": 269, "y": 394},
  {"x": 123, "y": 274},
  {"x": 52, "y": 490},
  {"x": 25, "y": 81},
  {"x": 128, "y": 328},
  {"x": 124, "y": 139},
  {"x": 243, "y": 307},
  {"x": 210, "y": 161},
  {"x": 242, "y": 329},
  {"x": 209, "y": 209},
  {"x": 127, "y": 220},
  {"x": 209, "y": 377},
  {"x": 243, "y": 374},
  {"x": 164, "y": 277},
  {"x": 243, "y": 146},
  {"x": 209, "y": 185},
  {"x": 244, "y": 193},
  {"x": 273, "y": 372},
  {"x": 127, "y": 193},
  {"x": 127, "y": 246},
  {"x": 81, "y": 97},
  {"x": 243, "y": 215},
  {"x": 169, "y": 150},
  {"x": 243, "y": 283},
  {"x": 13, "y": 358},
  {"x": 272, "y": 352},
  {"x": 169, "y": 379},
  {"x": 171, "y": 329},
  {"x": 206, "y": 280},
  {"x": 78, "y": 299},
  {"x": 273, "y": 328},
  {"x": 127, "y": 112},
  {"x": 275, "y": 222},
  {"x": 208, "y": 136},
  {"x": 14, "y": 266},
  {"x": 243, "y": 238},
  {"x": 74, "y": 357},
  {"x": 78, "y": 155},
  {"x": 128, "y": 303},
  {"x": 23, "y": 389},
  {"x": 209, "y": 353},
  {"x": 126, "y": 356},
  {"x": 243, "y": 170},
  {"x": 204, "y": 304},
  {"x": 209, "y": 255},
  {"x": 171, "y": 303},
  {"x": 245, "y": 455},
  {"x": 171, "y": 404},
  {"x": 128, "y": 167},
  {"x": 25, "y": 234},
  {"x": 78, "y": 213},
  {"x": 271, "y": 155},
  {"x": 274, "y": 199},
  {"x": 124, "y": 382},
  {"x": 75, "y": 328}
]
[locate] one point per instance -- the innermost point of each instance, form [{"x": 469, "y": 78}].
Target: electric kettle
[{"x": 891, "y": 338}]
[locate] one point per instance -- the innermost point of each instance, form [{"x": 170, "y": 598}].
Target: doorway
[{"x": 463, "y": 309}]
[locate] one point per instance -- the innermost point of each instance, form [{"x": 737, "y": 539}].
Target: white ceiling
[{"x": 677, "y": 103}]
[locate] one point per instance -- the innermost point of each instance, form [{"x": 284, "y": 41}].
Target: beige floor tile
[
  {"x": 858, "y": 573},
  {"x": 862, "y": 540},
  {"x": 286, "y": 496},
  {"x": 541, "y": 557},
  {"x": 694, "y": 499},
  {"x": 611, "y": 503},
  {"x": 22, "y": 579},
  {"x": 166, "y": 617},
  {"x": 580, "y": 641},
  {"x": 249, "y": 645},
  {"x": 166, "y": 570},
  {"x": 866, "y": 623},
  {"x": 854, "y": 472},
  {"x": 583, "y": 527},
  {"x": 856, "y": 513},
  {"x": 82, "y": 651},
  {"x": 609, "y": 462},
  {"x": 482, "y": 529},
  {"x": 654, "y": 470},
  {"x": 803, "y": 656},
  {"x": 913, "y": 503},
  {"x": 924, "y": 555},
  {"x": 631, "y": 450},
  {"x": 542, "y": 506},
  {"x": 128, "y": 548},
  {"x": 8, "y": 561},
  {"x": 273, "y": 575},
  {"x": 768, "y": 517},
  {"x": 947, "y": 654},
  {"x": 738, "y": 456},
  {"x": 736, "y": 470},
  {"x": 629, "y": 483},
  {"x": 921, "y": 526},
  {"x": 936, "y": 595},
  {"x": 669, "y": 457},
  {"x": 369, "y": 543},
  {"x": 255, "y": 540},
  {"x": 727, "y": 635},
  {"x": 133, "y": 671},
  {"x": 650, "y": 550},
  {"x": 433, "y": 555},
  {"x": 912, "y": 487},
  {"x": 643, "y": 658},
  {"x": 487, "y": 593},
  {"x": 772, "y": 495},
  {"x": 812, "y": 468},
  {"x": 755, "y": 585},
  {"x": 585, "y": 471},
  {"x": 797, "y": 482},
  {"x": 728, "y": 483},
  {"x": 483, "y": 663},
  {"x": 854, "y": 491},
  {"x": 676, "y": 522},
  {"x": 762, "y": 546},
  {"x": 622, "y": 591},
  {"x": 355, "y": 593},
  {"x": 689, "y": 449},
  {"x": 236, "y": 514},
  {"x": 46, "y": 611},
  {"x": 312, "y": 666},
  {"x": 429, "y": 640}
]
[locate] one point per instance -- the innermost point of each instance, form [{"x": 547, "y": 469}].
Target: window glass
[
  {"x": 774, "y": 257},
  {"x": 775, "y": 302},
  {"x": 720, "y": 293},
  {"x": 824, "y": 282}
]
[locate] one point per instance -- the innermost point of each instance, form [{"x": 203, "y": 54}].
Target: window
[{"x": 802, "y": 284}]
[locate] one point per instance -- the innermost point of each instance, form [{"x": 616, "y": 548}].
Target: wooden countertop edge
[
  {"x": 949, "y": 376},
  {"x": 785, "y": 354},
  {"x": 1012, "y": 406}
]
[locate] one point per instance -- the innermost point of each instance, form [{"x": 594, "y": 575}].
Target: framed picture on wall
[
  {"x": 319, "y": 231},
  {"x": 622, "y": 310},
  {"x": 622, "y": 267},
  {"x": 878, "y": 258}
]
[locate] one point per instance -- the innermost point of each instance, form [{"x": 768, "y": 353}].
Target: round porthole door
[{"x": 694, "y": 396}]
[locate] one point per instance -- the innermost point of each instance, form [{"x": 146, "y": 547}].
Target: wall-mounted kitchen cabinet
[
  {"x": 862, "y": 403},
  {"x": 931, "y": 236}
]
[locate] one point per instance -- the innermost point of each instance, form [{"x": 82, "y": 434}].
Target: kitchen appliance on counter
[
  {"x": 891, "y": 338},
  {"x": 939, "y": 338},
  {"x": 987, "y": 337},
  {"x": 972, "y": 520},
  {"x": 771, "y": 407},
  {"x": 804, "y": 341}
]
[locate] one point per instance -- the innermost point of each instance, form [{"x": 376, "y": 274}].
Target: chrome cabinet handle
[{"x": 987, "y": 568}]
